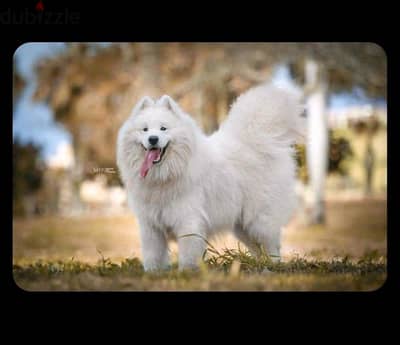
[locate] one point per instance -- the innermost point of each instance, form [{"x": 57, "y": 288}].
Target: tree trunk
[
  {"x": 369, "y": 161},
  {"x": 317, "y": 139},
  {"x": 77, "y": 174},
  {"x": 149, "y": 70}
]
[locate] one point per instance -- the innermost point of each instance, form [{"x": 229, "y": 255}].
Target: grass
[
  {"x": 229, "y": 270},
  {"x": 103, "y": 254}
]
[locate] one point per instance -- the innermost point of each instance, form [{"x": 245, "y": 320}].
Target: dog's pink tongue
[{"x": 151, "y": 155}]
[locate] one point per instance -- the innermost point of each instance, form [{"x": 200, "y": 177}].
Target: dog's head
[{"x": 156, "y": 141}]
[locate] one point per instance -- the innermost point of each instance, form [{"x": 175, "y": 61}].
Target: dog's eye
[
  {"x": 145, "y": 129},
  {"x": 163, "y": 129}
]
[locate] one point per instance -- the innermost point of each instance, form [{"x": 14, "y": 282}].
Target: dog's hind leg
[
  {"x": 260, "y": 235},
  {"x": 268, "y": 235},
  {"x": 243, "y": 236}
]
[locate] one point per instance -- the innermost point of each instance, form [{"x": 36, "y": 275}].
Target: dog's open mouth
[
  {"x": 152, "y": 156},
  {"x": 160, "y": 153}
]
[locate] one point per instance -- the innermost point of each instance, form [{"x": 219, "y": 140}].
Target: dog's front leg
[
  {"x": 154, "y": 249},
  {"x": 191, "y": 246}
]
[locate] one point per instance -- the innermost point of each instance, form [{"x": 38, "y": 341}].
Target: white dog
[{"x": 182, "y": 182}]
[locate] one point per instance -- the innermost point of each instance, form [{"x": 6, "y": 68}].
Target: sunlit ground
[{"x": 99, "y": 253}]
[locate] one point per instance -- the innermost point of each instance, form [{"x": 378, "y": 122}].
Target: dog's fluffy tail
[{"x": 266, "y": 114}]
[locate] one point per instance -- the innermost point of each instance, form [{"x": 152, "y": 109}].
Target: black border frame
[{"x": 104, "y": 25}]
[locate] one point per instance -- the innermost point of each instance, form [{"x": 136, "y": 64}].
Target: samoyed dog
[{"x": 187, "y": 186}]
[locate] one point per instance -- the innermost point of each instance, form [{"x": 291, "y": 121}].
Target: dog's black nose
[{"x": 153, "y": 139}]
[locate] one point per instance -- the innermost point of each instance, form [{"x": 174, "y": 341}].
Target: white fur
[{"x": 240, "y": 178}]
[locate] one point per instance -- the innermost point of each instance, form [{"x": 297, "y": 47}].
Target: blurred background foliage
[
  {"x": 91, "y": 89},
  {"x": 340, "y": 152},
  {"x": 28, "y": 174}
]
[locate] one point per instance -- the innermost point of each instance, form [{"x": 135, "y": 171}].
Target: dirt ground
[{"x": 352, "y": 228}]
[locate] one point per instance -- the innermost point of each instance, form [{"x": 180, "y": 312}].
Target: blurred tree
[
  {"x": 85, "y": 88},
  {"x": 300, "y": 155},
  {"x": 323, "y": 68},
  {"x": 27, "y": 177},
  {"x": 18, "y": 84},
  {"x": 367, "y": 127},
  {"x": 93, "y": 89},
  {"x": 339, "y": 152},
  {"x": 317, "y": 139}
]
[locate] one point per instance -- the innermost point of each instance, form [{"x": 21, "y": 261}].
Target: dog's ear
[
  {"x": 168, "y": 103},
  {"x": 144, "y": 103}
]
